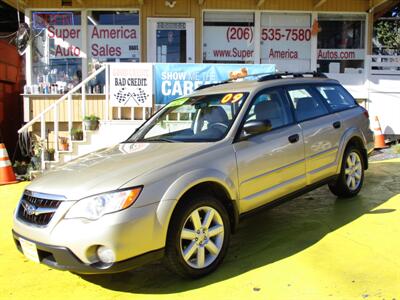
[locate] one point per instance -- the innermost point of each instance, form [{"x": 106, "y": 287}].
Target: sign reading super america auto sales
[
  {"x": 105, "y": 41},
  {"x": 114, "y": 41}
]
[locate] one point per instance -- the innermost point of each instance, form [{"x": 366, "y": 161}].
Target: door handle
[
  {"x": 336, "y": 124},
  {"x": 294, "y": 138}
]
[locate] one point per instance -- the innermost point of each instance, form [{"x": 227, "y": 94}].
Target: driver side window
[{"x": 270, "y": 106}]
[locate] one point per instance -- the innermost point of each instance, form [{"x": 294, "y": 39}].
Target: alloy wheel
[
  {"x": 353, "y": 171},
  {"x": 202, "y": 237}
]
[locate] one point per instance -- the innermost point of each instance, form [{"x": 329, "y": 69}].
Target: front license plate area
[{"x": 29, "y": 249}]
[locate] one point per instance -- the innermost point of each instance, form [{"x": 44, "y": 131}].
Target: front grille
[{"x": 37, "y": 211}]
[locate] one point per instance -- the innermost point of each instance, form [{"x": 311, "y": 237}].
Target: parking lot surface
[{"x": 314, "y": 247}]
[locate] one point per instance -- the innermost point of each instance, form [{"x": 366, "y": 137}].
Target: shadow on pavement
[{"x": 270, "y": 235}]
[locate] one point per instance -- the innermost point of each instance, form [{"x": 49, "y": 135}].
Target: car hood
[{"x": 110, "y": 168}]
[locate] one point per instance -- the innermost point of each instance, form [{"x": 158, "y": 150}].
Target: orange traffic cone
[
  {"x": 379, "y": 138},
  {"x": 6, "y": 170}
]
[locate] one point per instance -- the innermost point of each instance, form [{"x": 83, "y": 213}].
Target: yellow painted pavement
[{"x": 314, "y": 247}]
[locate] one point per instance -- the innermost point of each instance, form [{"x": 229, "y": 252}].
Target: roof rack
[
  {"x": 287, "y": 75},
  {"x": 204, "y": 86}
]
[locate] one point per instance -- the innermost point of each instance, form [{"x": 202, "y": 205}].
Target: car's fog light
[{"x": 106, "y": 255}]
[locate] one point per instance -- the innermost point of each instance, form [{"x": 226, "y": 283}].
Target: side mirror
[{"x": 256, "y": 127}]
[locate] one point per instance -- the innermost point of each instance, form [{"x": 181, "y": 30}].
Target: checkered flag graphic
[{"x": 123, "y": 96}]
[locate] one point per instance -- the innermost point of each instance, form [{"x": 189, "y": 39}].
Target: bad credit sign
[{"x": 131, "y": 85}]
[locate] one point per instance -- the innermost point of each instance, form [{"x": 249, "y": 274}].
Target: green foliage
[
  {"x": 388, "y": 34},
  {"x": 20, "y": 164},
  {"x": 91, "y": 118},
  {"x": 75, "y": 131},
  {"x": 396, "y": 149}
]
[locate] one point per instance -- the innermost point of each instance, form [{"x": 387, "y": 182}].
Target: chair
[
  {"x": 212, "y": 115},
  {"x": 269, "y": 110},
  {"x": 308, "y": 108}
]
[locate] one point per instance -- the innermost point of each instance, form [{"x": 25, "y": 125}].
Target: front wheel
[
  {"x": 351, "y": 177},
  {"x": 198, "y": 237}
]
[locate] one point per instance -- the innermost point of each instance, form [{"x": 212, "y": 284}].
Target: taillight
[{"x": 366, "y": 114}]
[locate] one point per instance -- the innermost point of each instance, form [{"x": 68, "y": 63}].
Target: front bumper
[{"x": 62, "y": 258}]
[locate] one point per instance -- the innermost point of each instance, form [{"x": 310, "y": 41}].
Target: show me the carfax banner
[
  {"x": 176, "y": 80},
  {"x": 134, "y": 84}
]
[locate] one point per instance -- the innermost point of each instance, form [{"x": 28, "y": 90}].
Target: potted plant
[
  {"x": 49, "y": 154},
  {"x": 20, "y": 167},
  {"x": 64, "y": 145},
  {"x": 91, "y": 122},
  {"x": 76, "y": 134},
  {"x": 38, "y": 146}
]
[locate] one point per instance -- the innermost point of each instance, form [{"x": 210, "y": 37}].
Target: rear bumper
[{"x": 62, "y": 258}]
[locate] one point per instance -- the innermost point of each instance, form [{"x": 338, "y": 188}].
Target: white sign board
[
  {"x": 114, "y": 41},
  {"x": 286, "y": 41},
  {"x": 105, "y": 41},
  {"x": 131, "y": 85},
  {"x": 341, "y": 54},
  {"x": 228, "y": 43}
]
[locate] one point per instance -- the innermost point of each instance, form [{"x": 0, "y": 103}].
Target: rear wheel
[
  {"x": 198, "y": 237},
  {"x": 351, "y": 177}
]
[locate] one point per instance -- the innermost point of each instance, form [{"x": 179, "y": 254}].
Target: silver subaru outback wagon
[{"x": 176, "y": 188}]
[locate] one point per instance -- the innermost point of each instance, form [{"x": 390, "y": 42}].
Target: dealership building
[
  {"x": 71, "y": 39},
  {"x": 306, "y": 35}
]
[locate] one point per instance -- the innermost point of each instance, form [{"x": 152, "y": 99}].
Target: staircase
[{"x": 53, "y": 124}]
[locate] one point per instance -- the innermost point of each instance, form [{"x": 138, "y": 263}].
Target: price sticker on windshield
[
  {"x": 177, "y": 102},
  {"x": 232, "y": 98}
]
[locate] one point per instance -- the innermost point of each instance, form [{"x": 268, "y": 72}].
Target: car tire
[
  {"x": 351, "y": 177},
  {"x": 198, "y": 236}
]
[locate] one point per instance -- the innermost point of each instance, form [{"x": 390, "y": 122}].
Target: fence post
[
  {"x": 107, "y": 92},
  {"x": 42, "y": 140}
]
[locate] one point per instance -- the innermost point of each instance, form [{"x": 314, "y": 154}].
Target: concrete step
[{"x": 108, "y": 134}]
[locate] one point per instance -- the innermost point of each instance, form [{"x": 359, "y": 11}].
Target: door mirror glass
[{"x": 256, "y": 127}]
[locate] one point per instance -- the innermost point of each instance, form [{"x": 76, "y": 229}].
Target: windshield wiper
[{"x": 156, "y": 139}]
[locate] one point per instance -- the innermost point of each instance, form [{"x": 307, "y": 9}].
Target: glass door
[{"x": 170, "y": 40}]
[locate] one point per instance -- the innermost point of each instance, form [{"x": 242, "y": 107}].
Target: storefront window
[
  {"x": 171, "y": 42},
  {"x": 228, "y": 37},
  {"x": 341, "y": 43},
  {"x": 286, "y": 41},
  {"x": 113, "y": 36},
  {"x": 56, "y": 51}
]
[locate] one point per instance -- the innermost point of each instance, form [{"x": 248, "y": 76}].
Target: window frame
[
  {"x": 84, "y": 25},
  {"x": 282, "y": 93},
  {"x": 29, "y": 65},
  {"x": 134, "y": 10},
  {"x": 140, "y": 132},
  {"x": 315, "y": 86},
  {"x": 314, "y": 94}
]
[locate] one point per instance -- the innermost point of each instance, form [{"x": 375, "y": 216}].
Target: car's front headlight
[{"x": 96, "y": 206}]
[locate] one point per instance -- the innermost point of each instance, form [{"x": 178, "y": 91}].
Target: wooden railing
[
  {"x": 384, "y": 65},
  {"x": 55, "y": 108}
]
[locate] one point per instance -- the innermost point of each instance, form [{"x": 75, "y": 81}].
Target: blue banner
[{"x": 175, "y": 80}]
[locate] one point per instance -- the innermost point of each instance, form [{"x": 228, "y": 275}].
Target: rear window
[
  {"x": 307, "y": 105},
  {"x": 336, "y": 97}
]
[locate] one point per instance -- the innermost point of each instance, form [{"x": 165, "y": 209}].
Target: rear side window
[
  {"x": 306, "y": 104},
  {"x": 336, "y": 97}
]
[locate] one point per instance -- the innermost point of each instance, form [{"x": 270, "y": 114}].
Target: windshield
[{"x": 192, "y": 119}]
